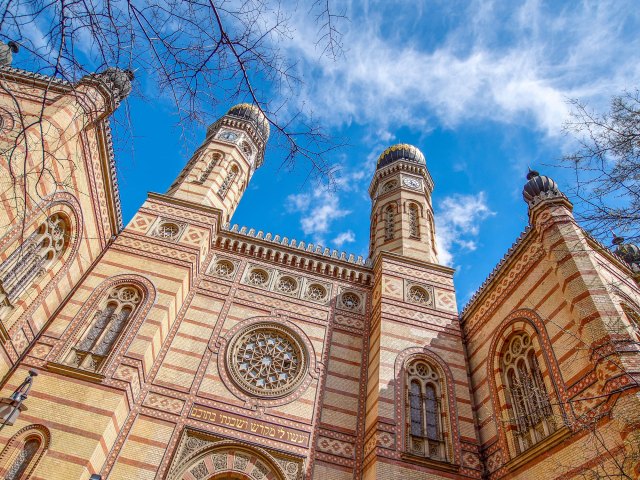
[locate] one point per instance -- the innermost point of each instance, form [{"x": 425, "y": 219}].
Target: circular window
[
  {"x": 419, "y": 295},
  {"x": 258, "y": 278},
  {"x": 168, "y": 230},
  {"x": 316, "y": 292},
  {"x": 266, "y": 360},
  {"x": 350, "y": 301},
  {"x": 224, "y": 268},
  {"x": 287, "y": 285}
]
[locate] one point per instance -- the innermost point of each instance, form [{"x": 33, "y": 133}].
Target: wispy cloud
[
  {"x": 344, "y": 237},
  {"x": 514, "y": 64},
  {"x": 318, "y": 209},
  {"x": 458, "y": 220}
]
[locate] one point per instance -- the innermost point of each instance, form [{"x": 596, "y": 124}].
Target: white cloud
[
  {"x": 344, "y": 237},
  {"x": 318, "y": 210},
  {"x": 458, "y": 220},
  {"x": 515, "y": 65}
]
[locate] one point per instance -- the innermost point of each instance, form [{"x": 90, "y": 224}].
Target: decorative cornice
[
  {"x": 517, "y": 246},
  {"x": 307, "y": 248}
]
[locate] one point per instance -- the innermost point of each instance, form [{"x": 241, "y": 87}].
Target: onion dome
[
  {"x": 252, "y": 113},
  {"x": 629, "y": 252},
  {"x": 539, "y": 186},
  {"x": 401, "y": 151}
]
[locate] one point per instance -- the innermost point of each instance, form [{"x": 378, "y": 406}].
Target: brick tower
[{"x": 417, "y": 423}]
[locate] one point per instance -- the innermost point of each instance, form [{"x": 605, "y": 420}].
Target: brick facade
[{"x": 161, "y": 401}]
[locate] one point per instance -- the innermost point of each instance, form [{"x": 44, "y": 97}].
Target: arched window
[
  {"x": 109, "y": 321},
  {"x": 414, "y": 221},
  {"x": 32, "y": 259},
  {"x": 226, "y": 184},
  {"x": 23, "y": 452},
  {"x": 424, "y": 411},
  {"x": 210, "y": 164},
  {"x": 389, "y": 223},
  {"x": 527, "y": 398}
]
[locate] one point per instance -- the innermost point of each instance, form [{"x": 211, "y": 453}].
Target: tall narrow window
[
  {"x": 389, "y": 223},
  {"x": 31, "y": 260},
  {"x": 208, "y": 168},
  {"x": 414, "y": 221},
  {"x": 109, "y": 321},
  {"x": 23, "y": 460},
  {"x": 226, "y": 184},
  {"x": 424, "y": 411},
  {"x": 530, "y": 409}
]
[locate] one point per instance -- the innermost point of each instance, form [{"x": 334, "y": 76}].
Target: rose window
[
  {"x": 350, "y": 301},
  {"x": 419, "y": 295},
  {"x": 316, "y": 292},
  {"x": 168, "y": 230},
  {"x": 258, "y": 278},
  {"x": 266, "y": 360},
  {"x": 224, "y": 268},
  {"x": 287, "y": 285}
]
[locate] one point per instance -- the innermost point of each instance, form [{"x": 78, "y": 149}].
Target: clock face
[
  {"x": 411, "y": 183},
  {"x": 229, "y": 135}
]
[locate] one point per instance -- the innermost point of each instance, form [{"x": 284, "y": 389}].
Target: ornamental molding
[
  {"x": 286, "y": 283},
  {"x": 419, "y": 294},
  {"x": 398, "y": 166},
  {"x": 226, "y": 348},
  {"x": 502, "y": 281},
  {"x": 200, "y": 455},
  {"x": 167, "y": 229}
]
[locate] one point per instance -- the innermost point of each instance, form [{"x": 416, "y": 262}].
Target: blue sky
[{"x": 480, "y": 87}]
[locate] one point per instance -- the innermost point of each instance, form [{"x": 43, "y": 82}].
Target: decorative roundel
[
  {"x": 224, "y": 268},
  {"x": 419, "y": 295},
  {"x": 350, "y": 300},
  {"x": 413, "y": 183},
  {"x": 228, "y": 135},
  {"x": 168, "y": 230},
  {"x": 287, "y": 285},
  {"x": 266, "y": 360},
  {"x": 258, "y": 277},
  {"x": 423, "y": 370},
  {"x": 316, "y": 292}
]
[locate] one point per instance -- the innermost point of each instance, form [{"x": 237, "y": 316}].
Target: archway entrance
[{"x": 232, "y": 462}]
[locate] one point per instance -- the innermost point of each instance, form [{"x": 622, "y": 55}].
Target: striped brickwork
[
  {"x": 559, "y": 287},
  {"x": 164, "y": 402},
  {"x": 400, "y": 330},
  {"x": 67, "y": 164}
]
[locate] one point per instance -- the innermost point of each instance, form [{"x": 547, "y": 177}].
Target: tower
[
  {"x": 401, "y": 211},
  {"x": 219, "y": 171}
]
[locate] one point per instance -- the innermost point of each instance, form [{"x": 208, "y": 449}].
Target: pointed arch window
[
  {"x": 32, "y": 259},
  {"x": 634, "y": 319},
  {"x": 226, "y": 184},
  {"x": 414, "y": 221},
  {"x": 389, "y": 223},
  {"x": 108, "y": 322},
  {"x": 424, "y": 411},
  {"x": 528, "y": 401}
]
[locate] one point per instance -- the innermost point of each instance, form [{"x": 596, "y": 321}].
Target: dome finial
[
  {"x": 616, "y": 240},
  {"x": 532, "y": 173}
]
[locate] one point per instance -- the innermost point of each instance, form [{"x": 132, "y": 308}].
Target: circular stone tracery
[{"x": 266, "y": 360}]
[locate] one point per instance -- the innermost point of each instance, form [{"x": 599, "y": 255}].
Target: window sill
[
  {"x": 442, "y": 465},
  {"x": 75, "y": 372},
  {"x": 552, "y": 440}
]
